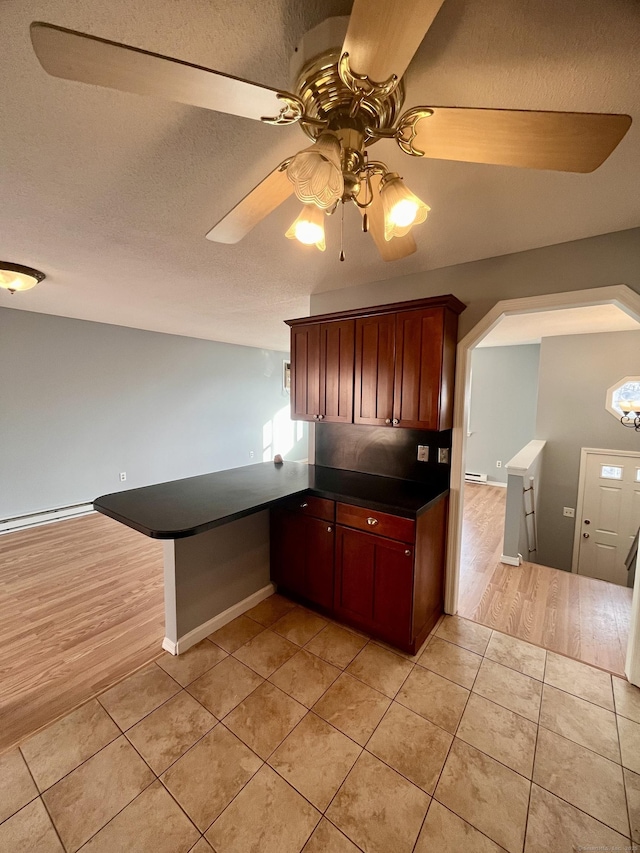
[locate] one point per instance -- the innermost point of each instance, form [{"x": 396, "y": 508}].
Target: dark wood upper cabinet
[
  {"x": 305, "y": 372},
  {"x": 375, "y": 343},
  {"x": 421, "y": 370},
  {"x": 392, "y": 365},
  {"x": 336, "y": 371},
  {"x": 322, "y": 371}
]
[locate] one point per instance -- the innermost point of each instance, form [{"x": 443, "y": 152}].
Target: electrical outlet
[
  {"x": 423, "y": 453},
  {"x": 443, "y": 455},
  {"x": 123, "y": 476},
  {"x": 568, "y": 512},
  {"x": 498, "y": 464}
]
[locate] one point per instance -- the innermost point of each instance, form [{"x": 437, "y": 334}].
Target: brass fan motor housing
[{"x": 328, "y": 99}]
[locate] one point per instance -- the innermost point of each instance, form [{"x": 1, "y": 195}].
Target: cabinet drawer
[
  {"x": 309, "y": 505},
  {"x": 380, "y": 523}
]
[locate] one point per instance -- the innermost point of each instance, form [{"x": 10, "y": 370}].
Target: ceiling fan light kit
[
  {"x": 348, "y": 94},
  {"x": 308, "y": 228}
]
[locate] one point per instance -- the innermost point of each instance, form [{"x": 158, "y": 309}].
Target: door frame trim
[
  {"x": 619, "y": 295},
  {"x": 582, "y": 481}
]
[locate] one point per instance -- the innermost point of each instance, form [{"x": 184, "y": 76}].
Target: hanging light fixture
[
  {"x": 402, "y": 208},
  {"x": 630, "y": 413},
  {"x": 316, "y": 172},
  {"x": 308, "y": 228},
  {"x": 17, "y": 277}
]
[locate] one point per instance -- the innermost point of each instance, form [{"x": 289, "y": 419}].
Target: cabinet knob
[
  {"x": 304, "y": 505},
  {"x": 372, "y": 522},
  {"x": 388, "y": 421},
  {"x": 320, "y": 417},
  {"x": 395, "y": 422},
  {"x": 329, "y": 529},
  {"x": 315, "y": 417},
  {"x": 407, "y": 553}
]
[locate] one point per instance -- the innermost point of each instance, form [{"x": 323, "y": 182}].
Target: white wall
[
  {"x": 80, "y": 402},
  {"x": 504, "y": 389}
]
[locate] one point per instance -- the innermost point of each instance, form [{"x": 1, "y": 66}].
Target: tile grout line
[{"x": 622, "y": 768}]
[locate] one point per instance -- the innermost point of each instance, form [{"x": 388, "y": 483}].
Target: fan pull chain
[
  {"x": 365, "y": 222},
  {"x": 342, "y": 234}
]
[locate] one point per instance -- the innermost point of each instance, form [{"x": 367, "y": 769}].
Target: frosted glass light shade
[
  {"x": 17, "y": 277},
  {"x": 308, "y": 228},
  {"x": 316, "y": 172},
  {"x": 402, "y": 208}
]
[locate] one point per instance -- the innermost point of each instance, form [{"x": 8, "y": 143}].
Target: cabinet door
[
  {"x": 337, "y": 351},
  {"x": 305, "y": 372},
  {"x": 288, "y": 550},
  {"x": 374, "y": 584},
  {"x": 375, "y": 344},
  {"x": 418, "y": 369},
  {"x": 319, "y": 547}
]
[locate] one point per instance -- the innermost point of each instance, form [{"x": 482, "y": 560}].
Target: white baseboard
[
  {"x": 46, "y": 516},
  {"x": 218, "y": 621},
  {"x": 511, "y": 561}
]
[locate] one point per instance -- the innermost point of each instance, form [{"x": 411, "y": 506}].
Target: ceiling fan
[{"x": 348, "y": 94}]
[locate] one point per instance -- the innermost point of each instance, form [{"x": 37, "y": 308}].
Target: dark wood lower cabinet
[
  {"x": 374, "y": 584},
  {"x": 391, "y": 589},
  {"x": 302, "y": 555}
]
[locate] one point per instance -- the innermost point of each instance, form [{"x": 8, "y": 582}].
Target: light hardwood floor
[
  {"x": 580, "y": 617},
  {"x": 81, "y": 606}
]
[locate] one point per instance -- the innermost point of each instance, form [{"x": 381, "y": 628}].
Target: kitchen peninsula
[{"x": 217, "y": 533}]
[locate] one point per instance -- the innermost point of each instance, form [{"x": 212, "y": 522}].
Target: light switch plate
[
  {"x": 423, "y": 453},
  {"x": 443, "y": 455}
]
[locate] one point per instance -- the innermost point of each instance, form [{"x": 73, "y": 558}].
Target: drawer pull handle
[
  {"x": 407, "y": 553},
  {"x": 304, "y": 505},
  {"x": 372, "y": 522}
]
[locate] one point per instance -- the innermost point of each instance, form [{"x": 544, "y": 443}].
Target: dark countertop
[{"x": 186, "y": 507}]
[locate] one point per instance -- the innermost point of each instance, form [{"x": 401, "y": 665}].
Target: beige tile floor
[{"x": 284, "y": 732}]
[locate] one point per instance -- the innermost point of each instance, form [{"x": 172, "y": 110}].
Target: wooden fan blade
[
  {"x": 565, "y": 142},
  {"x": 76, "y": 56},
  {"x": 391, "y": 250},
  {"x": 382, "y": 37},
  {"x": 253, "y": 208}
]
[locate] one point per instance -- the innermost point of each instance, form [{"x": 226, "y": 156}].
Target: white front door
[{"x": 610, "y": 514}]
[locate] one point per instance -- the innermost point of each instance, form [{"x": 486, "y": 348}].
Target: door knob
[
  {"x": 585, "y": 535},
  {"x": 387, "y": 420},
  {"x": 372, "y": 522},
  {"x": 395, "y": 422}
]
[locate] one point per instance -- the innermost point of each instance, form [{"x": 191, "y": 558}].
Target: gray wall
[
  {"x": 80, "y": 402},
  {"x": 504, "y": 390},
  {"x": 593, "y": 262},
  {"x": 575, "y": 373}
]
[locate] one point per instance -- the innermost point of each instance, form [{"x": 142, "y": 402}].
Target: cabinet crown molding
[{"x": 447, "y": 301}]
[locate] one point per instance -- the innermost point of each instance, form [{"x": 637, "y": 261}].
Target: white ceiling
[
  {"x": 520, "y": 329},
  {"x": 111, "y": 194}
]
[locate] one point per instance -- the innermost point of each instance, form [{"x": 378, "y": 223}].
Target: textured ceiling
[
  {"x": 111, "y": 194},
  {"x": 530, "y": 328}
]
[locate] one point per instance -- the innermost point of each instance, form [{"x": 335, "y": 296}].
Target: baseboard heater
[
  {"x": 44, "y": 516},
  {"x": 471, "y": 477}
]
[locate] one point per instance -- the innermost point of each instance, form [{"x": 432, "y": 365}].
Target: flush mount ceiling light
[
  {"x": 347, "y": 93},
  {"x": 17, "y": 277}
]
